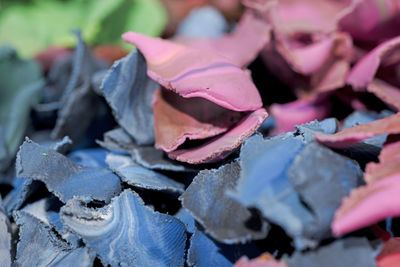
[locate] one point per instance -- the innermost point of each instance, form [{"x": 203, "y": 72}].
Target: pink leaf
[
  {"x": 177, "y": 119},
  {"x": 390, "y": 253},
  {"x": 365, "y": 70},
  {"x": 373, "y": 21},
  {"x": 358, "y": 133},
  {"x": 243, "y": 45},
  {"x": 264, "y": 260},
  {"x": 379, "y": 198},
  {"x": 298, "y": 112},
  {"x": 386, "y": 92},
  {"x": 223, "y": 145},
  {"x": 193, "y": 72}
]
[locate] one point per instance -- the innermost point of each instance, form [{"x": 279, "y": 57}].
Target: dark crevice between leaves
[
  {"x": 96, "y": 204},
  {"x": 5, "y": 189},
  {"x": 265, "y": 81},
  {"x": 277, "y": 243},
  {"x": 255, "y": 221},
  {"x": 37, "y": 192},
  {"x": 161, "y": 201}
]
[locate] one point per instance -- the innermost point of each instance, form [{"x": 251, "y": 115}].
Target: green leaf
[{"x": 20, "y": 86}]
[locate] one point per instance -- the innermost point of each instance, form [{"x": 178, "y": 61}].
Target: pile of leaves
[{"x": 254, "y": 133}]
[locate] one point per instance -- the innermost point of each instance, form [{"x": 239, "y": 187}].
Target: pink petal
[
  {"x": 177, "y": 119},
  {"x": 322, "y": 66},
  {"x": 265, "y": 260},
  {"x": 389, "y": 161},
  {"x": 358, "y": 133},
  {"x": 222, "y": 146},
  {"x": 298, "y": 112},
  {"x": 192, "y": 72},
  {"x": 390, "y": 253},
  {"x": 368, "y": 204},
  {"x": 310, "y": 58},
  {"x": 386, "y": 92},
  {"x": 379, "y": 198},
  {"x": 373, "y": 21},
  {"x": 331, "y": 77},
  {"x": 243, "y": 45},
  {"x": 365, "y": 70},
  {"x": 308, "y": 16}
]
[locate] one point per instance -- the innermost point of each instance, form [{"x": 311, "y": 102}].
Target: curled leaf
[
  {"x": 205, "y": 75},
  {"x": 358, "y": 133},
  {"x": 223, "y": 145},
  {"x": 365, "y": 70}
]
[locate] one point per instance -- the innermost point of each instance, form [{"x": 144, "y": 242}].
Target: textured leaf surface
[
  {"x": 40, "y": 246},
  {"x": 126, "y": 232},
  {"x": 5, "y": 238},
  {"x": 129, "y": 93},
  {"x": 222, "y": 217},
  {"x": 63, "y": 177},
  {"x": 138, "y": 176}
]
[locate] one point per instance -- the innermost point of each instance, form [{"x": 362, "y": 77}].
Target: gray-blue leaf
[
  {"x": 5, "y": 238},
  {"x": 138, "y": 176},
  {"x": 222, "y": 217},
  {"x": 63, "y": 177},
  {"x": 129, "y": 93}
]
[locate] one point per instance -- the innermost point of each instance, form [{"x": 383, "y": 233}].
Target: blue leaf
[
  {"x": 126, "y": 232},
  {"x": 63, "y": 177}
]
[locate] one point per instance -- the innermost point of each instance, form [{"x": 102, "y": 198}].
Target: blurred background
[{"x": 33, "y": 25}]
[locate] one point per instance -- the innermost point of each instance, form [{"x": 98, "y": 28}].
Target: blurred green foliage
[{"x": 32, "y": 25}]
